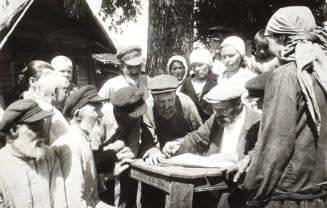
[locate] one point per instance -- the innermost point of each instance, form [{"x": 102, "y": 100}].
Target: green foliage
[{"x": 127, "y": 10}]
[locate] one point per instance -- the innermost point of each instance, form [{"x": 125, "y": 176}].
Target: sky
[{"x": 133, "y": 33}]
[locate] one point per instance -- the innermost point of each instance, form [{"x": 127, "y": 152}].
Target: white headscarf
[
  {"x": 236, "y": 42},
  {"x": 180, "y": 59},
  {"x": 201, "y": 55}
]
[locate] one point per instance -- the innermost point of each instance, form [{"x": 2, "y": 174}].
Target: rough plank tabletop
[{"x": 177, "y": 171}]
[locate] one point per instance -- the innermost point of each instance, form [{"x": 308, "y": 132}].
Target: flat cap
[
  {"x": 130, "y": 100},
  {"x": 79, "y": 98},
  {"x": 23, "y": 111},
  {"x": 131, "y": 55},
  {"x": 227, "y": 90},
  {"x": 163, "y": 83}
]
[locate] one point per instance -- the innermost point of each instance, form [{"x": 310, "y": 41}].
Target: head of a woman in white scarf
[
  {"x": 177, "y": 66},
  {"x": 289, "y": 26},
  {"x": 233, "y": 53},
  {"x": 201, "y": 63}
]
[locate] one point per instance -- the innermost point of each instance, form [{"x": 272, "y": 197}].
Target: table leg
[{"x": 180, "y": 195}]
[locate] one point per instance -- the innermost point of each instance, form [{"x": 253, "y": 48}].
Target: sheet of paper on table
[{"x": 195, "y": 161}]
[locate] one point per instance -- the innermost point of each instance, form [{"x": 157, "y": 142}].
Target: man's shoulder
[
  {"x": 288, "y": 69},
  {"x": 68, "y": 144},
  {"x": 71, "y": 138},
  {"x": 50, "y": 153},
  {"x": 114, "y": 80},
  {"x": 285, "y": 74},
  {"x": 185, "y": 99}
]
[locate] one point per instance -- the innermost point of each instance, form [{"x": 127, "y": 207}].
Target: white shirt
[
  {"x": 198, "y": 86},
  {"x": 114, "y": 84},
  {"x": 78, "y": 167},
  {"x": 231, "y": 134}
]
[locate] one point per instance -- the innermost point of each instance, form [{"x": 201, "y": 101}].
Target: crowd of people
[{"x": 64, "y": 146}]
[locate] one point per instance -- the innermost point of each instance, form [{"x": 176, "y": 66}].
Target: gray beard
[{"x": 36, "y": 153}]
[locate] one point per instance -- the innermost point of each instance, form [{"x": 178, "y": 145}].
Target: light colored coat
[
  {"x": 78, "y": 167},
  {"x": 27, "y": 183}
]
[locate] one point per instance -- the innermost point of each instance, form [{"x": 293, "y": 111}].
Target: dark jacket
[
  {"x": 156, "y": 132},
  {"x": 208, "y": 138},
  {"x": 204, "y": 108},
  {"x": 289, "y": 161}
]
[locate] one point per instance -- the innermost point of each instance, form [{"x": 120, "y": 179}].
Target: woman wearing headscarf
[
  {"x": 177, "y": 66},
  {"x": 288, "y": 166},
  {"x": 233, "y": 56},
  {"x": 201, "y": 81},
  {"x": 236, "y": 65}
]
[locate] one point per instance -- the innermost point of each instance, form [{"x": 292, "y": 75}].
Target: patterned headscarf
[{"x": 306, "y": 45}]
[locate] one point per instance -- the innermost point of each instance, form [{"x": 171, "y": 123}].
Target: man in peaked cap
[
  {"x": 131, "y": 65},
  {"x": 122, "y": 119},
  {"x": 74, "y": 149},
  {"x": 216, "y": 36},
  {"x": 229, "y": 134},
  {"x": 170, "y": 115},
  {"x": 30, "y": 172}
]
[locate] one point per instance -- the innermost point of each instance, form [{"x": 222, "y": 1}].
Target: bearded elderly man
[
  {"x": 30, "y": 173},
  {"x": 131, "y": 64},
  {"x": 170, "y": 115},
  {"x": 228, "y": 135},
  {"x": 74, "y": 148},
  {"x": 288, "y": 166}
]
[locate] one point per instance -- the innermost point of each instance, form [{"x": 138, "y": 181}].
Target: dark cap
[
  {"x": 131, "y": 55},
  {"x": 23, "y": 111},
  {"x": 130, "y": 100},
  {"x": 214, "y": 31},
  {"x": 81, "y": 97},
  {"x": 163, "y": 83},
  {"x": 256, "y": 85}
]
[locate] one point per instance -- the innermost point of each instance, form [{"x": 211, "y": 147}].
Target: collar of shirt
[{"x": 81, "y": 132}]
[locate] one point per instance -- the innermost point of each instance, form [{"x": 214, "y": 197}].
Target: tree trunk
[{"x": 170, "y": 32}]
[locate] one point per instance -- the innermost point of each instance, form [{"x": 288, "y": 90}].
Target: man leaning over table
[
  {"x": 170, "y": 115},
  {"x": 229, "y": 135}
]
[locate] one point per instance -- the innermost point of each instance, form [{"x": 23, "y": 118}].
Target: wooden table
[{"x": 179, "y": 182}]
